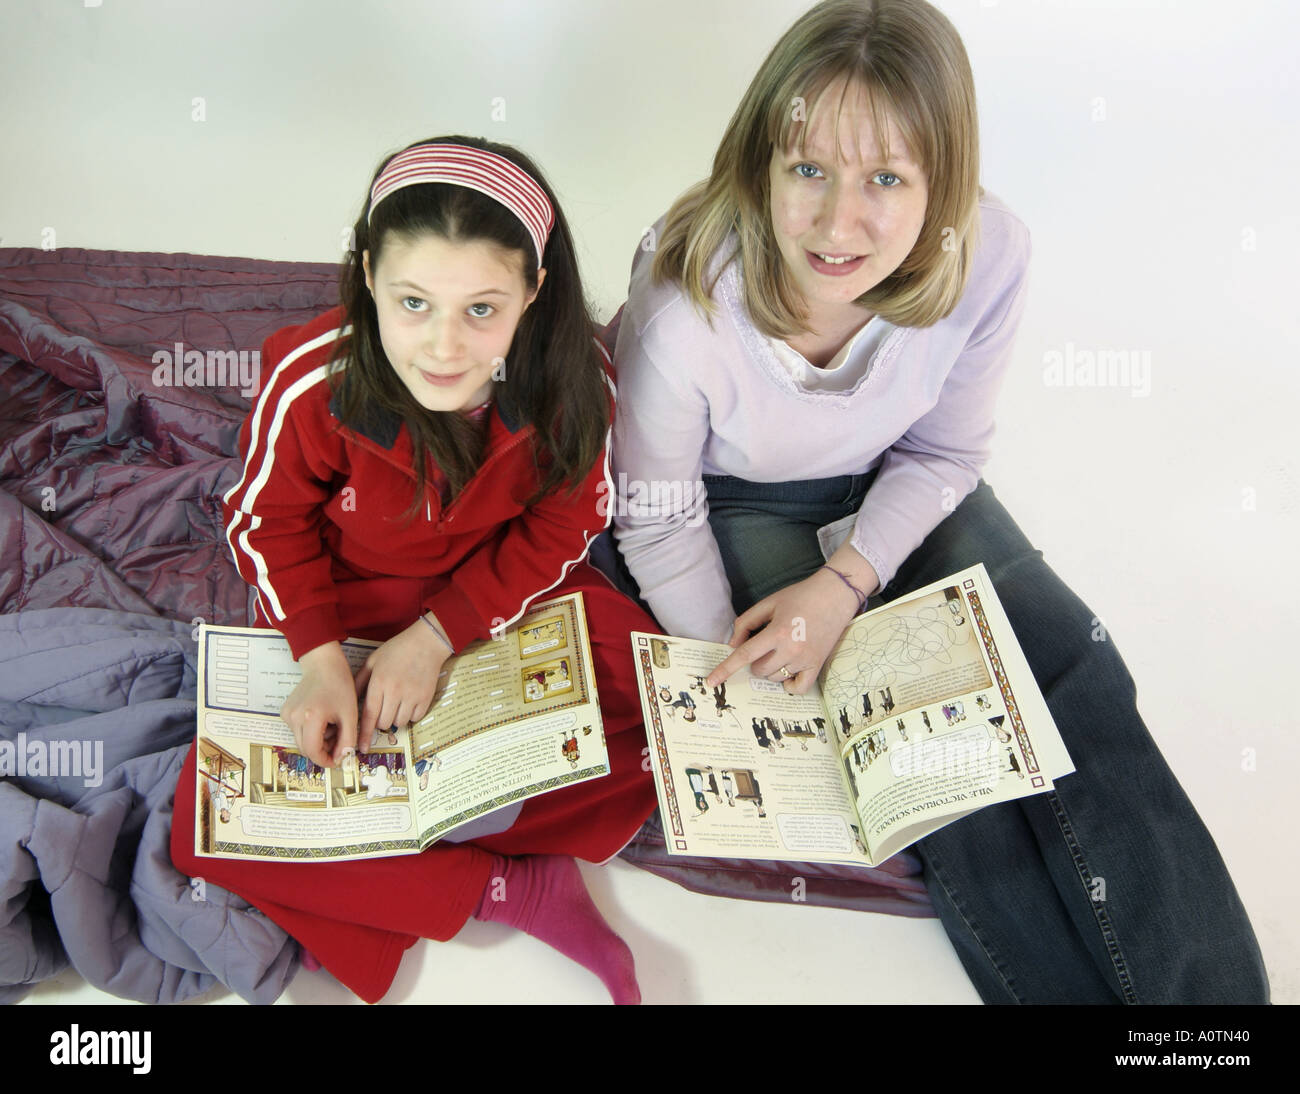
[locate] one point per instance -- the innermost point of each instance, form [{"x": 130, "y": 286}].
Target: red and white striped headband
[{"x": 483, "y": 171}]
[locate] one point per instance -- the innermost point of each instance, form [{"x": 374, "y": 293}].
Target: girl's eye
[
  {"x": 889, "y": 175},
  {"x": 412, "y": 303},
  {"x": 488, "y": 309},
  {"x": 811, "y": 167}
]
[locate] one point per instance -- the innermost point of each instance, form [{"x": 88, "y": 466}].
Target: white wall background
[{"x": 1150, "y": 147}]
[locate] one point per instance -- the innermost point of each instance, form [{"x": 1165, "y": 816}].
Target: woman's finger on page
[
  {"x": 724, "y": 671},
  {"x": 744, "y": 655}
]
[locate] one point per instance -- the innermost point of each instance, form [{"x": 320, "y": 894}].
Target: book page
[
  {"x": 904, "y": 656},
  {"x": 743, "y": 770},
  {"x": 258, "y": 796},
  {"x": 933, "y": 705},
  {"x": 516, "y": 715}
]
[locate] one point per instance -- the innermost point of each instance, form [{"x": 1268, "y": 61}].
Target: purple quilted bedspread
[{"x": 110, "y": 479}]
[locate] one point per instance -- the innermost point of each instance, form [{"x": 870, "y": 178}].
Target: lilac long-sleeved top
[{"x": 696, "y": 400}]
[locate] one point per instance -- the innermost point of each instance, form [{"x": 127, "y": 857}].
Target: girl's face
[
  {"x": 844, "y": 218},
  {"x": 447, "y": 314}
]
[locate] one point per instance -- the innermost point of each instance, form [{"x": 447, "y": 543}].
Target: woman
[{"x": 819, "y": 335}]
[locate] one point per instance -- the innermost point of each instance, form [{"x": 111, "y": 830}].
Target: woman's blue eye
[
  {"x": 812, "y": 167},
  {"x": 889, "y": 175},
  {"x": 481, "y": 314},
  {"x": 407, "y": 300}
]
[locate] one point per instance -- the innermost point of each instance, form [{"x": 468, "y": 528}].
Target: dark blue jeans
[{"x": 1109, "y": 889}]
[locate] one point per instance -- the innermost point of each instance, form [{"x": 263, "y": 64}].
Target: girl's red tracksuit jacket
[{"x": 318, "y": 526}]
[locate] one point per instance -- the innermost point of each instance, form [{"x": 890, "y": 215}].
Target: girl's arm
[
  {"x": 400, "y": 679},
  {"x": 274, "y": 528},
  {"x": 274, "y": 533},
  {"x": 275, "y": 511},
  {"x": 274, "y": 518}
]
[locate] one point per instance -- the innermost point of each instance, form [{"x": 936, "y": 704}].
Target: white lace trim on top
[{"x": 873, "y": 355}]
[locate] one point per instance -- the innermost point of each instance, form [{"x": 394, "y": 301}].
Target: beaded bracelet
[
  {"x": 435, "y": 630},
  {"x": 862, "y": 597}
]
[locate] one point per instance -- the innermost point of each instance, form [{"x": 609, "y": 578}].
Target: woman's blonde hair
[{"x": 909, "y": 60}]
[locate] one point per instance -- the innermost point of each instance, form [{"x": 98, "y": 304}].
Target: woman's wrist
[
  {"x": 859, "y": 598},
  {"x": 848, "y": 560}
]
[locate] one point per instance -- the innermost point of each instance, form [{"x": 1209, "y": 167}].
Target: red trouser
[{"x": 359, "y": 917}]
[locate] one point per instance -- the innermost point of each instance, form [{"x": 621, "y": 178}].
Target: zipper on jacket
[
  {"x": 446, "y": 513},
  {"x": 449, "y": 512}
]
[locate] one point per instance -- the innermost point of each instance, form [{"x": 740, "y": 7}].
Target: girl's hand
[
  {"x": 322, "y": 709},
  {"x": 797, "y": 627},
  {"x": 400, "y": 679}
]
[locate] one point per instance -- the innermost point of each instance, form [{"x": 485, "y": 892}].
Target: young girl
[
  {"x": 820, "y": 334},
  {"x": 423, "y": 463}
]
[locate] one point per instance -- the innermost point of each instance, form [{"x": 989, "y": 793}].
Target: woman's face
[
  {"x": 844, "y": 218},
  {"x": 447, "y": 314}
]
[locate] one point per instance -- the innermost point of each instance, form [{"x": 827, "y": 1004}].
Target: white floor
[
  {"x": 688, "y": 948},
  {"x": 1145, "y": 144}
]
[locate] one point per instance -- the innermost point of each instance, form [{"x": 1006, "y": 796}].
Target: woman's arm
[
  {"x": 923, "y": 476},
  {"x": 661, "y": 511},
  {"x": 927, "y": 472}
]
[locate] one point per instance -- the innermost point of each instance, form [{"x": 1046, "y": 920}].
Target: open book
[
  {"x": 515, "y": 716},
  {"x": 925, "y": 711}
]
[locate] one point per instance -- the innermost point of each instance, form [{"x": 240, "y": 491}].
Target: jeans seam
[
  {"x": 1102, "y": 917},
  {"x": 932, "y": 865}
]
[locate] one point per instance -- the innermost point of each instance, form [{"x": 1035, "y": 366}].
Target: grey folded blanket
[{"x": 96, "y": 714}]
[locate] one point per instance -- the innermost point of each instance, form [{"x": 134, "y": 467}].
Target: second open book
[{"x": 925, "y": 711}]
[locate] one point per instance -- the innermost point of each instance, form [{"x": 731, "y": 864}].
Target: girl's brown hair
[{"x": 554, "y": 375}]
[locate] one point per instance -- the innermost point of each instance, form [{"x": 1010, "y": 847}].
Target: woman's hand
[
  {"x": 400, "y": 679},
  {"x": 797, "y": 627},
  {"x": 322, "y": 709}
]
